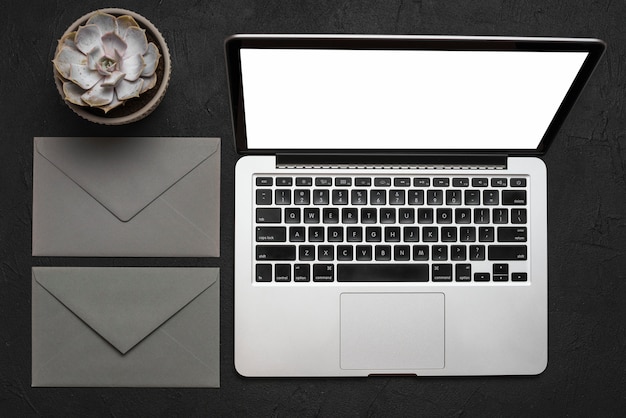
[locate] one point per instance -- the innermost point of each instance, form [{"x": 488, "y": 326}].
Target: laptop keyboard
[{"x": 345, "y": 229}]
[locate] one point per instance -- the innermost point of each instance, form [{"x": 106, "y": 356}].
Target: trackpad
[{"x": 392, "y": 331}]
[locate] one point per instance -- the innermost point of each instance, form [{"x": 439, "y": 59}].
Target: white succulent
[{"x": 106, "y": 62}]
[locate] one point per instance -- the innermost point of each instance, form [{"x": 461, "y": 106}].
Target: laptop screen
[{"x": 303, "y": 98}]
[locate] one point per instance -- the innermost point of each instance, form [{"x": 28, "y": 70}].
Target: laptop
[{"x": 391, "y": 205}]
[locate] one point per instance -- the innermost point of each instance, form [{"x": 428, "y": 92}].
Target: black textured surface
[{"x": 586, "y": 374}]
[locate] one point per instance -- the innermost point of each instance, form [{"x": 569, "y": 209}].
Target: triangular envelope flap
[
  {"x": 126, "y": 174},
  {"x": 125, "y": 305}
]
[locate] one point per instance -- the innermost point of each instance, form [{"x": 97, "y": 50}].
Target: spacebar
[{"x": 382, "y": 272}]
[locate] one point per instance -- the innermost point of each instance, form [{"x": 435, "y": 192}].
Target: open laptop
[{"x": 390, "y": 204}]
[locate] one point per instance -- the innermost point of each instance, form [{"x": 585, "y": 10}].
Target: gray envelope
[
  {"x": 129, "y": 197},
  {"x": 148, "y": 327}
]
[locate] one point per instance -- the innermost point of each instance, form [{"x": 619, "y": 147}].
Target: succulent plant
[{"x": 106, "y": 62}]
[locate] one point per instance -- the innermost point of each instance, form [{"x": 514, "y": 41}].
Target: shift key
[
  {"x": 268, "y": 215},
  {"x": 275, "y": 252}
]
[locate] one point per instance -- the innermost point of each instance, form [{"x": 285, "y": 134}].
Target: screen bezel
[{"x": 235, "y": 43}]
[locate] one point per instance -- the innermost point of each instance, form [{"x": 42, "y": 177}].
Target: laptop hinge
[{"x": 392, "y": 161}]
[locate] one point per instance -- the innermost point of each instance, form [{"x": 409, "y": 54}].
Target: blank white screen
[{"x": 399, "y": 99}]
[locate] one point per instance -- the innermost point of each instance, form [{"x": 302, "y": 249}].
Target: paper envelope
[
  {"x": 105, "y": 327},
  {"x": 129, "y": 197}
]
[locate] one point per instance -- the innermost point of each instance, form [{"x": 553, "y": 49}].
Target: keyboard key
[
  {"x": 396, "y": 197},
  {"x": 382, "y": 181},
  {"x": 325, "y": 253},
  {"x": 444, "y": 216},
  {"x": 389, "y": 272},
  {"x": 296, "y": 234},
  {"x": 292, "y": 215},
  {"x": 349, "y": 215},
  {"x": 440, "y": 252},
  {"x": 362, "y": 181},
  {"x": 344, "y": 253},
  {"x": 481, "y": 216},
  {"x": 264, "y": 197},
  {"x": 343, "y": 181},
  {"x": 304, "y": 181},
  {"x": 491, "y": 197},
  {"x": 335, "y": 234},
  {"x": 498, "y": 182},
  {"x": 268, "y": 215},
  {"x": 282, "y": 272},
  {"x": 460, "y": 182},
  {"x": 513, "y": 197},
  {"x": 330, "y": 215},
  {"x": 306, "y": 253},
  {"x": 340, "y": 197},
  {"x": 402, "y": 253},
  {"x": 511, "y": 234},
  {"x": 316, "y": 234},
  {"x": 430, "y": 234},
  {"x": 500, "y": 216},
  {"x": 421, "y": 182},
  {"x": 467, "y": 234},
  {"x": 518, "y": 216},
  {"x": 415, "y": 197},
  {"x": 364, "y": 252},
  {"x": 271, "y": 234},
  {"x": 323, "y": 272},
  {"x": 369, "y": 216},
  {"x": 482, "y": 277},
  {"x": 311, "y": 216},
  {"x": 378, "y": 197},
  {"x": 382, "y": 253},
  {"x": 358, "y": 197},
  {"x": 480, "y": 182},
  {"x": 463, "y": 273},
  {"x": 263, "y": 273},
  {"x": 463, "y": 216},
  {"x": 392, "y": 234},
  {"x": 275, "y": 252},
  {"x": 354, "y": 234},
  {"x": 477, "y": 252},
  {"x": 402, "y": 182},
  {"x": 472, "y": 197},
  {"x": 282, "y": 197},
  {"x": 441, "y": 182},
  {"x": 458, "y": 253},
  {"x": 486, "y": 234},
  {"x": 434, "y": 197},
  {"x": 519, "y": 277},
  {"x": 373, "y": 234},
  {"x": 425, "y": 216},
  {"x": 499, "y": 268},
  {"x": 320, "y": 196},
  {"x": 301, "y": 273},
  {"x": 453, "y": 197},
  {"x": 406, "y": 216},
  {"x": 302, "y": 197},
  {"x": 264, "y": 181},
  {"x": 323, "y": 181},
  {"x": 507, "y": 252},
  {"x": 518, "y": 182},
  {"x": 442, "y": 272},
  {"x": 421, "y": 252},
  {"x": 387, "y": 216},
  {"x": 448, "y": 234},
  {"x": 283, "y": 181},
  {"x": 411, "y": 234}
]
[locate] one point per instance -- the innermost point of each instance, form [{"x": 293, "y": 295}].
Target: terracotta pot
[{"x": 133, "y": 109}]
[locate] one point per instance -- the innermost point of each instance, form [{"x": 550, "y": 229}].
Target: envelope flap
[
  {"x": 126, "y": 174},
  {"x": 124, "y": 305}
]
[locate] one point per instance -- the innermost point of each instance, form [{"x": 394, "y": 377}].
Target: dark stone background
[{"x": 587, "y": 203}]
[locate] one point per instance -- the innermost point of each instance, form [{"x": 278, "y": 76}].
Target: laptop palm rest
[{"x": 392, "y": 331}]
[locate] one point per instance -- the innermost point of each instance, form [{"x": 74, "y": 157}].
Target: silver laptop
[{"x": 390, "y": 204}]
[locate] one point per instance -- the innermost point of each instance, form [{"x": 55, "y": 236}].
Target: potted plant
[{"x": 112, "y": 66}]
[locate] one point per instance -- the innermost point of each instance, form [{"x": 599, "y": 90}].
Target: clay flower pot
[{"x": 112, "y": 66}]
